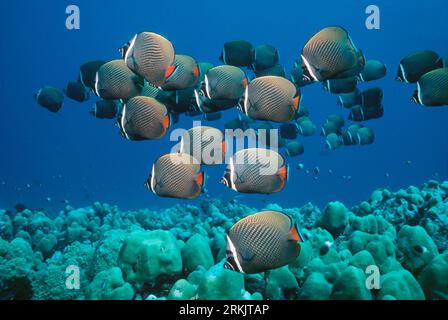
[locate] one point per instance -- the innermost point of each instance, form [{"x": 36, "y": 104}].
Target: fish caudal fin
[
  {"x": 200, "y": 179},
  {"x": 283, "y": 173},
  {"x": 196, "y": 71},
  {"x": 295, "y": 103},
  {"x": 167, "y": 121},
  {"x": 169, "y": 72},
  {"x": 224, "y": 149},
  {"x": 295, "y": 234}
]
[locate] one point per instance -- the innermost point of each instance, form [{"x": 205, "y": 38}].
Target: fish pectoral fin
[
  {"x": 323, "y": 73},
  {"x": 252, "y": 107},
  {"x": 247, "y": 254},
  {"x": 238, "y": 179}
]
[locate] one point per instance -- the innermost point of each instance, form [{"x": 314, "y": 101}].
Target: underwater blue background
[{"x": 73, "y": 156}]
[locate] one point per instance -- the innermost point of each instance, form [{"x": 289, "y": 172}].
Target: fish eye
[
  {"x": 240, "y": 105},
  {"x": 228, "y": 265},
  {"x": 418, "y": 249},
  {"x": 224, "y": 182}
]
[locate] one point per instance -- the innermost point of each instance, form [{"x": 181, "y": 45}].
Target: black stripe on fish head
[
  {"x": 226, "y": 179},
  {"x": 415, "y": 97},
  {"x": 400, "y": 75},
  {"x": 124, "y": 49},
  {"x": 230, "y": 264}
]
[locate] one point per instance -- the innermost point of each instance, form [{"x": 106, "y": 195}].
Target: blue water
[{"x": 72, "y": 156}]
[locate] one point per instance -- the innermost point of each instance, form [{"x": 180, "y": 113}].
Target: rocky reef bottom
[{"x": 392, "y": 246}]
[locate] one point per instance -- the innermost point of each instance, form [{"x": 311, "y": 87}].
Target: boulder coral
[
  {"x": 400, "y": 285},
  {"x": 145, "y": 255},
  {"x": 281, "y": 284},
  {"x": 178, "y": 252},
  {"x": 109, "y": 285},
  {"x": 415, "y": 248},
  {"x": 196, "y": 252},
  {"x": 335, "y": 217},
  {"x": 434, "y": 278},
  {"x": 218, "y": 283}
]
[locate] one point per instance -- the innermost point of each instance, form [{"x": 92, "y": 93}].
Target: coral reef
[{"x": 177, "y": 253}]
